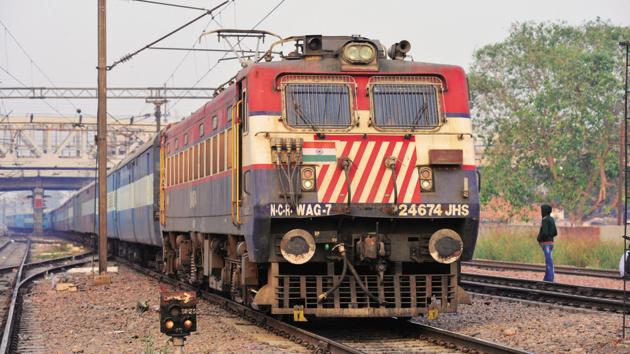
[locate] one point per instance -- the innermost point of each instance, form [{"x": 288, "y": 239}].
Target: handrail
[
  {"x": 235, "y": 170},
  {"x": 232, "y": 167}
]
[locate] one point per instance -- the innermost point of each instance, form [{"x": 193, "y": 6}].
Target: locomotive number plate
[
  {"x": 433, "y": 210},
  {"x": 300, "y": 209},
  {"x": 427, "y": 210}
]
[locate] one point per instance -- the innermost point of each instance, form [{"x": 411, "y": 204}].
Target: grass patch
[
  {"x": 150, "y": 346},
  {"x": 520, "y": 245},
  {"x": 48, "y": 251}
]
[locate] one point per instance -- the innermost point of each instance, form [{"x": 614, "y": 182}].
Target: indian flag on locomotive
[{"x": 319, "y": 151}]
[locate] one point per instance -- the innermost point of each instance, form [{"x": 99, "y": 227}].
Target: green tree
[{"x": 548, "y": 102}]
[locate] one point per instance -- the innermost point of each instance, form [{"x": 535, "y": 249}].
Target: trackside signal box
[{"x": 178, "y": 313}]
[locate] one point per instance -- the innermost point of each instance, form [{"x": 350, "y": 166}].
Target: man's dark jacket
[{"x": 548, "y": 226}]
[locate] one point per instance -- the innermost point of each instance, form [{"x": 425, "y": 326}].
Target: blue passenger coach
[{"x": 131, "y": 203}]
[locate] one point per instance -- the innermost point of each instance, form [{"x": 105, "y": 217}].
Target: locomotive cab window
[
  {"x": 317, "y": 105},
  {"x": 407, "y": 105}
]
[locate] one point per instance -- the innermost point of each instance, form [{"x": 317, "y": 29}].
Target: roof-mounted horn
[{"x": 398, "y": 51}]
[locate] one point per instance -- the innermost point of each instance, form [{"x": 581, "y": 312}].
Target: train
[
  {"x": 338, "y": 180},
  {"x": 23, "y": 223}
]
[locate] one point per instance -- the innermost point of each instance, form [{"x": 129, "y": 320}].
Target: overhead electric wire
[
  {"x": 32, "y": 61},
  {"x": 131, "y": 55},
  {"x": 122, "y": 126},
  {"x": 208, "y": 50},
  {"x": 173, "y": 5},
  {"x": 224, "y": 55},
  {"x": 181, "y": 62},
  {"x": 23, "y": 84},
  {"x": 268, "y": 14}
]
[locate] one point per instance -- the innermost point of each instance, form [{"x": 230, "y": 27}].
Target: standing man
[{"x": 545, "y": 239}]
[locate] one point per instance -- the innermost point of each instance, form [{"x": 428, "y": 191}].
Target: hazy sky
[{"x": 60, "y": 37}]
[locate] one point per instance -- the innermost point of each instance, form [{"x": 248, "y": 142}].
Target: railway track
[
  {"x": 20, "y": 319},
  {"x": 4, "y": 244},
  {"x": 45, "y": 262},
  {"x": 401, "y": 336},
  {"x": 363, "y": 336},
  {"x": 591, "y": 272},
  {"x": 601, "y": 299},
  {"x": 12, "y": 254}
]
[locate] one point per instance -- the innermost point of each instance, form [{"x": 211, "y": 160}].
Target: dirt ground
[{"x": 104, "y": 319}]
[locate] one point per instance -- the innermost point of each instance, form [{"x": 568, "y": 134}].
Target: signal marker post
[{"x": 178, "y": 316}]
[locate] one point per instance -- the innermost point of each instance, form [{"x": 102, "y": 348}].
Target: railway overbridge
[{"x": 39, "y": 153}]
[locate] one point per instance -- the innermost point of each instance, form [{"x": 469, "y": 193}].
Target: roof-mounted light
[{"x": 359, "y": 53}]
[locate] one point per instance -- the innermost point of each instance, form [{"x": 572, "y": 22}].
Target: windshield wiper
[
  {"x": 298, "y": 111},
  {"x": 420, "y": 113}
]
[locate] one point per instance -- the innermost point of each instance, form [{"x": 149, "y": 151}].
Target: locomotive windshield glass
[
  {"x": 317, "y": 105},
  {"x": 405, "y": 106}
]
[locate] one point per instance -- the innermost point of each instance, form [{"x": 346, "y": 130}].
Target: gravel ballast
[
  {"x": 535, "y": 327},
  {"x": 104, "y": 319}
]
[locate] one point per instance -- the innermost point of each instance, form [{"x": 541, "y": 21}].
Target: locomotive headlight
[
  {"x": 359, "y": 53},
  {"x": 307, "y": 174},
  {"x": 352, "y": 53},
  {"x": 426, "y": 179},
  {"x": 445, "y": 246},
  {"x": 366, "y": 53}
]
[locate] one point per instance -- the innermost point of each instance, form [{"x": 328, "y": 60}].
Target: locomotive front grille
[{"x": 406, "y": 295}]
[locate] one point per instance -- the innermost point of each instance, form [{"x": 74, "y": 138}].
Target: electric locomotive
[
  {"x": 334, "y": 182},
  {"x": 338, "y": 181}
]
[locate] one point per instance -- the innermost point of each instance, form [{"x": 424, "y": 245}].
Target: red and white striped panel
[{"x": 371, "y": 181}]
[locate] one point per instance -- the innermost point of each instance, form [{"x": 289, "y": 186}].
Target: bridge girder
[
  {"x": 47, "y": 183},
  {"x": 112, "y": 92},
  {"x": 53, "y": 147}
]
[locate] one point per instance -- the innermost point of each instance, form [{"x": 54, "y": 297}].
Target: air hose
[
  {"x": 365, "y": 289},
  {"x": 336, "y": 285}
]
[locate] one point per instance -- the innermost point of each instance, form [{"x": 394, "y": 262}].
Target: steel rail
[
  {"x": 308, "y": 339},
  {"x": 378, "y": 335},
  {"x": 9, "y": 323},
  {"x": 603, "y": 299},
  {"x": 10, "y": 326},
  {"x": 5, "y": 244},
  {"x": 323, "y": 344},
  {"x": 469, "y": 342},
  {"x": 45, "y": 261},
  {"x": 591, "y": 272}
]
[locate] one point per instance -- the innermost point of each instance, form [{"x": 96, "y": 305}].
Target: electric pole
[
  {"x": 158, "y": 112},
  {"x": 101, "y": 138}
]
